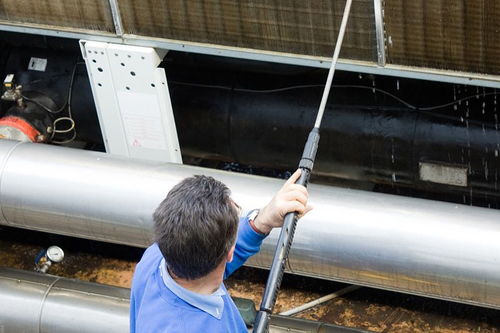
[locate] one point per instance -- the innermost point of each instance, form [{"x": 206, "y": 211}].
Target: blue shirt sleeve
[{"x": 248, "y": 243}]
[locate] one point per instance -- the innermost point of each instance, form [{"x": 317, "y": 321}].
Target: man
[{"x": 177, "y": 285}]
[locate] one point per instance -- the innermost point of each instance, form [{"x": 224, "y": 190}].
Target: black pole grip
[{"x": 285, "y": 240}]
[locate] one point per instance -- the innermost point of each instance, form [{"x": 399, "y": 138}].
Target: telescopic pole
[{"x": 290, "y": 223}]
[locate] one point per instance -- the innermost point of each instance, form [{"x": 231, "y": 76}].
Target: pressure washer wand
[{"x": 290, "y": 223}]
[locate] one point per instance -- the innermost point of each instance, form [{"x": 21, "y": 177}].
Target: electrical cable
[
  {"x": 66, "y": 141},
  {"x": 352, "y": 86},
  {"x": 69, "y": 129},
  {"x": 68, "y": 98},
  {"x": 66, "y": 105},
  {"x": 70, "y": 116}
]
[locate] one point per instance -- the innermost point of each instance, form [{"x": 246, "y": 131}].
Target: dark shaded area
[{"x": 32, "y": 242}]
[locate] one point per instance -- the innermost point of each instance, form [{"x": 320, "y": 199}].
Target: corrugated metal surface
[
  {"x": 291, "y": 26},
  {"x": 458, "y": 35},
  {"x": 82, "y": 14},
  {"x": 461, "y": 35}
]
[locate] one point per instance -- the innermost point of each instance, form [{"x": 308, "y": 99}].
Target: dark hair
[{"x": 195, "y": 226}]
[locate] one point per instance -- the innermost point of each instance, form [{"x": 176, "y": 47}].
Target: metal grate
[
  {"x": 82, "y": 14},
  {"x": 445, "y": 34},
  {"x": 291, "y": 26},
  {"x": 457, "y": 35}
]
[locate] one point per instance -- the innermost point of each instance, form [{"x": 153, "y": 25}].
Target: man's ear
[{"x": 230, "y": 254}]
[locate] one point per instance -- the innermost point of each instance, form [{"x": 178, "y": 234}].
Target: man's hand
[{"x": 290, "y": 198}]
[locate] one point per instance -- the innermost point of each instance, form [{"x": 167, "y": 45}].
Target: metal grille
[
  {"x": 446, "y": 34},
  {"x": 291, "y": 26},
  {"x": 457, "y": 35},
  {"x": 82, "y": 14}
]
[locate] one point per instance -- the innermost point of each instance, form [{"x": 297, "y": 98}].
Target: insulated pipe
[
  {"x": 37, "y": 303},
  {"x": 225, "y": 113},
  {"x": 415, "y": 246}
]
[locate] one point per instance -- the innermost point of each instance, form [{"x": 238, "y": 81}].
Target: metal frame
[
  {"x": 132, "y": 100},
  {"x": 379, "y": 31},
  {"x": 421, "y": 73},
  {"x": 117, "y": 18}
]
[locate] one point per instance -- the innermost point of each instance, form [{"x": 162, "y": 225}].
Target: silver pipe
[
  {"x": 41, "y": 303},
  {"x": 415, "y": 246},
  {"x": 318, "y": 301},
  {"x": 37, "y": 303}
]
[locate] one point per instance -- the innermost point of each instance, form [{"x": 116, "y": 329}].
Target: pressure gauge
[{"x": 55, "y": 254}]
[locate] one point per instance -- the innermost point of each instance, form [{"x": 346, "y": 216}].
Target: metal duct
[
  {"x": 416, "y": 246},
  {"x": 40, "y": 303},
  {"x": 364, "y": 138},
  {"x": 36, "y": 303}
]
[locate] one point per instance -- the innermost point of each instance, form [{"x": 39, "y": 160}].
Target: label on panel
[
  {"x": 141, "y": 120},
  {"x": 443, "y": 174}
]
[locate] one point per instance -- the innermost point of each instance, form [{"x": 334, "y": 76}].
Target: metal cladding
[
  {"x": 36, "y": 303},
  {"x": 41, "y": 303},
  {"x": 439, "y": 34},
  {"x": 409, "y": 245}
]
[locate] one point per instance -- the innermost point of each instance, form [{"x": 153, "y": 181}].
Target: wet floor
[{"x": 371, "y": 309}]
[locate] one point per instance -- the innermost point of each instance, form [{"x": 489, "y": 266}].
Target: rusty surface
[
  {"x": 291, "y": 26},
  {"x": 83, "y": 14},
  {"x": 374, "y": 310},
  {"x": 445, "y": 34}
]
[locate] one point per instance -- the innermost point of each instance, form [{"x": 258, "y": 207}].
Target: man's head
[{"x": 195, "y": 226}]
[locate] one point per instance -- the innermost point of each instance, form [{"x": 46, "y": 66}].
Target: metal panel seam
[
  {"x": 2, "y": 175},
  {"x": 49, "y": 288}
]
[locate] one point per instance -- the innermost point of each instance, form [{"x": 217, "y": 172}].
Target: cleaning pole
[{"x": 290, "y": 222}]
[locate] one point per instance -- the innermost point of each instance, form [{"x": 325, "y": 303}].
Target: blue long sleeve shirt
[{"x": 158, "y": 304}]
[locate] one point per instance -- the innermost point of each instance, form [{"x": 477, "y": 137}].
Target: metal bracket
[
  {"x": 132, "y": 100},
  {"x": 379, "y": 31}
]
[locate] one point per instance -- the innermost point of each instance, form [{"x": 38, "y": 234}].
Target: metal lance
[{"x": 290, "y": 223}]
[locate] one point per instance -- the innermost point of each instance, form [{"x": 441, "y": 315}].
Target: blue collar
[{"x": 212, "y": 304}]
